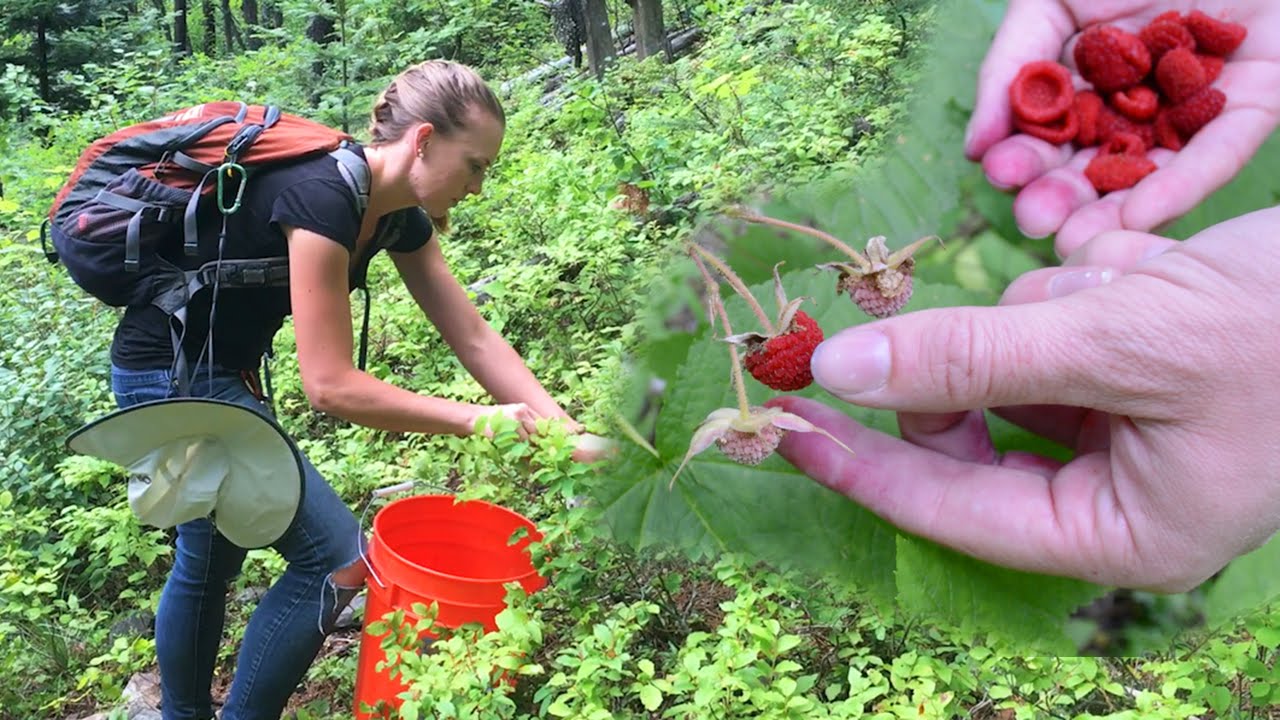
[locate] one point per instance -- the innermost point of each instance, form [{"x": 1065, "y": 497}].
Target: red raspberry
[
  {"x": 1166, "y": 135},
  {"x": 1137, "y": 103},
  {"x": 1195, "y": 112},
  {"x": 1180, "y": 74},
  {"x": 1111, "y": 59},
  {"x": 782, "y": 361},
  {"x": 1213, "y": 36},
  {"x": 1161, "y": 36},
  {"x": 1111, "y": 122},
  {"x": 1088, "y": 110},
  {"x": 1062, "y": 130},
  {"x": 1041, "y": 92},
  {"x": 1124, "y": 144},
  {"x": 1117, "y": 172},
  {"x": 1212, "y": 66},
  {"x": 750, "y": 448}
]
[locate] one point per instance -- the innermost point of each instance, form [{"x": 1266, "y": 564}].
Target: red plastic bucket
[{"x": 431, "y": 549}]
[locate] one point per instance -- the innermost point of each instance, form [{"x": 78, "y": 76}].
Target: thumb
[{"x": 950, "y": 359}]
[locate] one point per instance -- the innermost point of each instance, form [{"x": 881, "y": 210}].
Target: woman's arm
[
  {"x": 483, "y": 352},
  {"x": 322, "y": 324}
]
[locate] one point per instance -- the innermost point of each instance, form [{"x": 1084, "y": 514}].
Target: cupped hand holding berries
[
  {"x": 1125, "y": 76},
  {"x": 1155, "y": 361}
]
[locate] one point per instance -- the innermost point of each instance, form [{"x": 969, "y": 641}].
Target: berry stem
[
  {"x": 831, "y": 240},
  {"x": 736, "y": 283},
  {"x": 735, "y": 364}
]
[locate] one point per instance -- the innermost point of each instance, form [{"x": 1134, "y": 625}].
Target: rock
[
  {"x": 134, "y": 625},
  {"x": 143, "y": 691},
  {"x": 250, "y": 595}
]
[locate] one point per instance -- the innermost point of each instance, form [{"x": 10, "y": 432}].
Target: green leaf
[
  {"x": 1219, "y": 699},
  {"x": 650, "y": 697},
  {"x": 1253, "y": 188},
  {"x": 980, "y": 597},
  {"x": 1249, "y": 582}
]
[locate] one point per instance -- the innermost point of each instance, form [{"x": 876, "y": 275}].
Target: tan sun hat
[{"x": 197, "y": 457}]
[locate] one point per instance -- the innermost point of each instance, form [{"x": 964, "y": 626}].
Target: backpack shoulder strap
[{"x": 355, "y": 171}]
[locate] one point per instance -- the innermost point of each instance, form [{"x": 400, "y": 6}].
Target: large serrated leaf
[
  {"x": 774, "y": 513},
  {"x": 1021, "y": 607},
  {"x": 1248, "y": 583}
]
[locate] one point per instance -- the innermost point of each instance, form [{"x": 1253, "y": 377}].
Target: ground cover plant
[{"x": 682, "y": 603}]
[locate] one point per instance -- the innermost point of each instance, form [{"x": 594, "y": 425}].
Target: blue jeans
[{"x": 287, "y": 628}]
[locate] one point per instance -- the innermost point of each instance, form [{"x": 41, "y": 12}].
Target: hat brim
[{"x": 263, "y": 486}]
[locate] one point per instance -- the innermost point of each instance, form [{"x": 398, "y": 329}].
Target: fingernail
[
  {"x": 852, "y": 362},
  {"x": 1069, "y": 282}
]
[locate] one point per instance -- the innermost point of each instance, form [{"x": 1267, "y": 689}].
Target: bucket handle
[{"x": 378, "y": 494}]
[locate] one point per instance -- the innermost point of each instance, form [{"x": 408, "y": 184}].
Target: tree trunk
[
  {"x": 272, "y": 15},
  {"x": 181, "y": 40},
  {"x": 209, "y": 43},
  {"x": 321, "y": 32},
  {"x": 230, "y": 33},
  {"x": 42, "y": 59},
  {"x": 249, "y": 9},
  {"x": 651, "y": 35},
  {"x": 599, "y": 37}
]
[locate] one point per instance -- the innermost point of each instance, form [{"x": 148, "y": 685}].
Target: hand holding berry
[
  {"x": 1153, "y": 360},
  {"x": 1177, "y": 50}
]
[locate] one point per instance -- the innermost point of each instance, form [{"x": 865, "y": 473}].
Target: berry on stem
[
  {"x": 884, "y": 277},
  {"x": 745, "y": 434},
  {"x": 780, "y": 360}
]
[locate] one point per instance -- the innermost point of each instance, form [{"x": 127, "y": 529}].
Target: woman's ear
[{"x": 422, "y": 134}]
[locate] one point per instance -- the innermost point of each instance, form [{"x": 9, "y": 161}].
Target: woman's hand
[
  {"x": 524, "y": 415},
  {"x": 593, "y": 448}
]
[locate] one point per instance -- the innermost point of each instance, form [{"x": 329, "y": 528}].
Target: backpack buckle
[
  {"x": 253, "y": 276},
  {"x": 162, "y": 165}
]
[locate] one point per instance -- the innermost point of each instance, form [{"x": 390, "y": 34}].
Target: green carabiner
[{"x": 228, "y": 169}]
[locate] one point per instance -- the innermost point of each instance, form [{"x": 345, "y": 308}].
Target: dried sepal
[
  {"x": 787, "y": 310},
  {"x": 766, "y": 425},
  {"x": 879, "y": 283}
]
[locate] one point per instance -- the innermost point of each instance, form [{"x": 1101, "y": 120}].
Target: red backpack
[{"x": 133, "y": 200}]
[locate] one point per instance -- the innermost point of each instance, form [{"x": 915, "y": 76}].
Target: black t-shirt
[{"x": 310, "y": 195}]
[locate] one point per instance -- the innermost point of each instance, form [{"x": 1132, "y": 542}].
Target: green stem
[
  {"x": 744, "y": 410},
  {"x": 736, "y": 283},
  {"x": 735, "y": 366},
  {"x": 831, "y": 240},
  {"x": 634, "y": 435}
]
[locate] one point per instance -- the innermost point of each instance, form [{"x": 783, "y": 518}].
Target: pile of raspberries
[{"x": 1148, "y": 89}]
